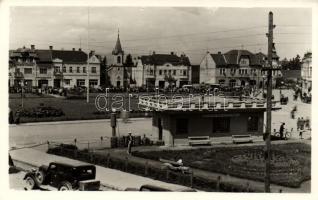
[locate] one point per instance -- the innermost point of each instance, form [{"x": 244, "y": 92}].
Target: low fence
[{"x": 148, "y": 169}]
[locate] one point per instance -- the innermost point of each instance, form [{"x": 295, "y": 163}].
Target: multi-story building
[
  {"x": 306, "y": 73},
  {"x": 236, "y": 68},
  {"x": 118, "y": 73},
  {"x": 53, "y": 68},
  {"x": 162, "y": 70}
]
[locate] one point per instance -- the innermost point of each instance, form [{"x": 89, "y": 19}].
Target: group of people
[{"x": 145, "y": 140}]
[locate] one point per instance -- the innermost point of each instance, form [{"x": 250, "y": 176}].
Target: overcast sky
[{"x": 143, "y": 30}]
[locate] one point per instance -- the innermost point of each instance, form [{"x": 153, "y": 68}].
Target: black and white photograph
[{"x": 121, "y": 98}]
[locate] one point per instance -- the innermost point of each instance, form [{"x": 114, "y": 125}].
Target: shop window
[
  {"x": 221, "y": 125},
  {"x": 252, "y": 123},
  {"x": 182, "y": 126}
]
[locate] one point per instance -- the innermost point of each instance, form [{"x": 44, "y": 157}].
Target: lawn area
[
  {"x": 290, "y": 166},
  {"x": 74, "y": 109}
]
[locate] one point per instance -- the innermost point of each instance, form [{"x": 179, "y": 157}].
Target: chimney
[
  {"x": 153, "y": 52},
  {"x": 73, "y": 49},
  {"x": 92, "y": 53},
  {"x": 219, "y": 52},
  {"x": 172, "y": 53},
  {"x": 79, "y": 49},
  {"x": 32, "y": 46},
  {"x": 51, "y": 47}
]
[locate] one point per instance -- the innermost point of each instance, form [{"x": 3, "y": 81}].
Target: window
[
  {"x": 64, "y": 69},
  {"x": 67, "y": 81},
  {"x": 174, "y": 72},
  {"x": 221, "y": 124},
  {"x": 181, "y": 126},
  {"x": 27, "y": 70},
  {"x": 169, "y": 71},
  {"x": 160, "y": 72},
  {"x": 222, "y": 82},
  {"x": 252, "y": 123},
  {"x": 71, "y": 70},
  {"x": 78, "y": 70},
  {"x": 93, "y": 69},
  {"x": 93, "y": 82},
  {"x": 184, "y": 72},
  {"x": 164, "y": 71},
  {"x": 56, "y": 69},
  {"x": 80, "y": 82},
  {"x": 17, "y": 70},
  {"x": 43, "y": 70},
  {"x": 118, "y": 60},
  {"x": 84, "y": 69}
]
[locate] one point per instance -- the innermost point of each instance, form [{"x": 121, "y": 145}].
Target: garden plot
[{"x": 290, "y": 163}]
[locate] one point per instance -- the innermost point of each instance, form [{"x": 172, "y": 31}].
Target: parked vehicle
[
  {"x": 63, "y": 177},
  {"x": 154, "y": 188}
]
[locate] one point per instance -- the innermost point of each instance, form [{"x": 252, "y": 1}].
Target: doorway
[{"x": 159, "y": 128}]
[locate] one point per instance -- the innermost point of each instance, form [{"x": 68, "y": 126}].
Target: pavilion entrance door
[{"x": 159, "y": 129}]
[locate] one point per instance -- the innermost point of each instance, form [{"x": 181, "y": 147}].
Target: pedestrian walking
[
  {"x": 281, "y": 131},
  {"x": 298, "y": 123},
  {"x": 302, "y": 123},
  {"x": 301, "y": 134},
  {"x": 130, "y": 143}
]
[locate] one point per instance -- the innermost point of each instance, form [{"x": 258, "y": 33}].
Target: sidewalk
[{"x": 110, "y": 178}]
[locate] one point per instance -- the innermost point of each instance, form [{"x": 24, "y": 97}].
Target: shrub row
[{"x": 148, "y": 170}]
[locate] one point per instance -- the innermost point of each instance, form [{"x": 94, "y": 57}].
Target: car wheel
[
  {"x": 40, "y": 176},
  {"x": 29, "y": 183},
  {"x": 65, "y": 186}
]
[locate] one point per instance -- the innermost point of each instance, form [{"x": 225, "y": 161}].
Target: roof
[
  {"x": 233, "y": 57},
  {"x": 118, "y": 49},
  {"x": 66, "y": 56},
  {"x": 160, "y": 59},
  {"x": 203, "y": 103}
]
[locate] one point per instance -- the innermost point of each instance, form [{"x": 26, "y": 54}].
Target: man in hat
[{"x": 130, "y": 141}]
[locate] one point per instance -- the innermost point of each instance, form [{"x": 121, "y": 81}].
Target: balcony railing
[{"x": 58, "y": 73}]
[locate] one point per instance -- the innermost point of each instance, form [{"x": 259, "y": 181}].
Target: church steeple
[{"x": 118, "y": 50}]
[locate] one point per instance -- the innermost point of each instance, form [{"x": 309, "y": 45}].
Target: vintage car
[
  {"x": 155, "y": 188},
  {"x": 62, "y": 177}
]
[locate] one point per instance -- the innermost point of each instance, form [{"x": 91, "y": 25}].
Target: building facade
[
  {"x": 306, "y": 73},
  {"x": 174, "y": 121},
  {"x": 236, "y": 68},
  {"x": 53, "y": 68},
  {"x": 162, "y": 70},
  {"x": 118, "y": 73}
]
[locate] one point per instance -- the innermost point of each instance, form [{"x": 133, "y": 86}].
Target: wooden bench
[
  {"x": 199, "y": 140},
  {"x": 242, "y": 138}
]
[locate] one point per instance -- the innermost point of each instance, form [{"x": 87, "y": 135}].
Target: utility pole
[
  {"x": 268, "y": 68},
  {"x": 87, "y": 70}
]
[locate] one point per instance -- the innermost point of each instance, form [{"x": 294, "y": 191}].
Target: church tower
[{"x": 118, "y": 53}]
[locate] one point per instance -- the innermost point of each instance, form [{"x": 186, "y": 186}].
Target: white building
[
  {"x": 53, "y": 68},
  {"x": 119, "y": 75},
  {"x": 162, "y": 70},
  {"x": 235, "y": 68},
  {"x": 306, "y": 73}
]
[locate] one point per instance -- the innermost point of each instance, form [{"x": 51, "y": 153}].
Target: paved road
[{"x": 34, "y": 133}]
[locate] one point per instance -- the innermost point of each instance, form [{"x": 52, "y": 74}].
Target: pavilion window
[{"x": 221, "y": 125}]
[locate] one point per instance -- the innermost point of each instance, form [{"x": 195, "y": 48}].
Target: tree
[{"x": 292, "y": 64}]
